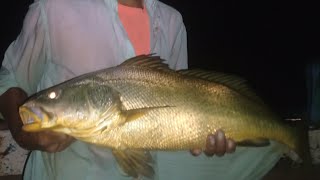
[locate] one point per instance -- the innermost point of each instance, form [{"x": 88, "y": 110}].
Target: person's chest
[{"x": 89, "y": 37}]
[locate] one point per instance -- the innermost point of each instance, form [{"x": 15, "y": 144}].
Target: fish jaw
[{"x": 35, "y": 119}]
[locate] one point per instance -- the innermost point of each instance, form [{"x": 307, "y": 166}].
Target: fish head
[{"x": 68, "y": 108}]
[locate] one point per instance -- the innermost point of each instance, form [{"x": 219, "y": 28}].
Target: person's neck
[{"x": 132, "y": 3}]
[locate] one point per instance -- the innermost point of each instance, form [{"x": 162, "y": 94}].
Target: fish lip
[
  {"x": 28, "y": 116},
  {"x": 32, "y": 121}
]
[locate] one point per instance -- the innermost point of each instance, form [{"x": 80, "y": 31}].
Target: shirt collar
[{"x": 150, "y": 4}]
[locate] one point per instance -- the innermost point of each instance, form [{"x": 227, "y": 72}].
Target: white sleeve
[
  {"x": 179, "y": 54},
  {"x": 25, "y": 58}
]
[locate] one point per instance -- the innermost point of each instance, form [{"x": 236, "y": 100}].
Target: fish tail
[{"x": 299, "y": 149}]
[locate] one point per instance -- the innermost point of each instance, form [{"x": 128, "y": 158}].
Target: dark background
[{"x": 268, "y": 42}]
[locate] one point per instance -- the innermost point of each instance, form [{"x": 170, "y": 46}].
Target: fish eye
[{"x": 53, "y": 95}]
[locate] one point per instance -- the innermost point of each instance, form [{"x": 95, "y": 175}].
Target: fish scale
[{"x": 141, "y": 105}]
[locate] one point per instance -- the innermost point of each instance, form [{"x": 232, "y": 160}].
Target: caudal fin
[{"x": 299, "y": 152}]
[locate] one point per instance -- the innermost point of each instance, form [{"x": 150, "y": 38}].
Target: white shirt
[
  {"x": 61, "y": 39},
  {"x": 64, "y": 38}
]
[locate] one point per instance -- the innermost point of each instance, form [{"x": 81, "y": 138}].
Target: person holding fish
[{"x": 62, "y": 39}]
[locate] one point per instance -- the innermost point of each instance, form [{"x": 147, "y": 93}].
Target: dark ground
[
  {"x": 284, "y": 171},
  {"x": 281, "y": 171}
]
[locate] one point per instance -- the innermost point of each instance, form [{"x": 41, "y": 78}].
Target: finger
[
  {"x": 220, "y": 143},
  {"x": 49, "y": 140},
  {"x": 54, "y": 137},
  {"x": 62, "y": 146},
  {"x": 231, "y": 146},
  {"x": 195, "y": 152},
  {"x": 210, "y": 145},
  {"x": 58, "y": 147},
  {"x": 52, "y": 148}
]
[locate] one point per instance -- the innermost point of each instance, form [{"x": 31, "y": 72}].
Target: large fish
[{"x": 141, "y": 105}]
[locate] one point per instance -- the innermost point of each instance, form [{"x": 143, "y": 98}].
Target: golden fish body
[
  {"x": 141, "y": 105},
  {"x": 179, "y": 113}
]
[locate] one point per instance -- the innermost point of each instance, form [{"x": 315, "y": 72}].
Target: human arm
[{"x": 21, "y": 71}]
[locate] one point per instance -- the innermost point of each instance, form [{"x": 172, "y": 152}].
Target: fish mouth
[{"x": 33, "y": 119}]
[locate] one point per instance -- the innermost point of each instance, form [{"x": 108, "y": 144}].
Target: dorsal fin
[
  {"x": 232, "y": 81},
  {"x": 147, "y": 61}
]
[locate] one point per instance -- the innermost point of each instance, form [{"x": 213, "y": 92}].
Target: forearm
[{"x": 9, "y": 104}]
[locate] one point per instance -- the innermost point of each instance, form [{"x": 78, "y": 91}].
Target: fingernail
[
  {"x": 231, "y": 146},
  {"x": 212, "y": 140},
  {"x": 220, "y": 135},
  {"x": 196, "y": 152}
]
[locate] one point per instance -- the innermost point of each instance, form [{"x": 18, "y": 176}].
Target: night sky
[{"x": 268, "y": 43}]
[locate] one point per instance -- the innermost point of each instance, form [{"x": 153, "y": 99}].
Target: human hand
[
  {"x": 52, "y": 142},
  {"x": 44, "y": 141},
  {"x": 217, "y": 144}
]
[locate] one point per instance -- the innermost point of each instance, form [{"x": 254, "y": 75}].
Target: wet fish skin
[{"x": 142, "y": 105}]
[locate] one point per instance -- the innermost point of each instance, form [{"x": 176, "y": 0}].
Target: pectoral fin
[
  {"x": 134, "y": 114},
  {"x": 258, "y": 142},
  {"x": 134, "y": 163}
]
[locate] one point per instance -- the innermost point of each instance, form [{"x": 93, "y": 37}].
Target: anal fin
[{"x": 135, "y": 163}]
